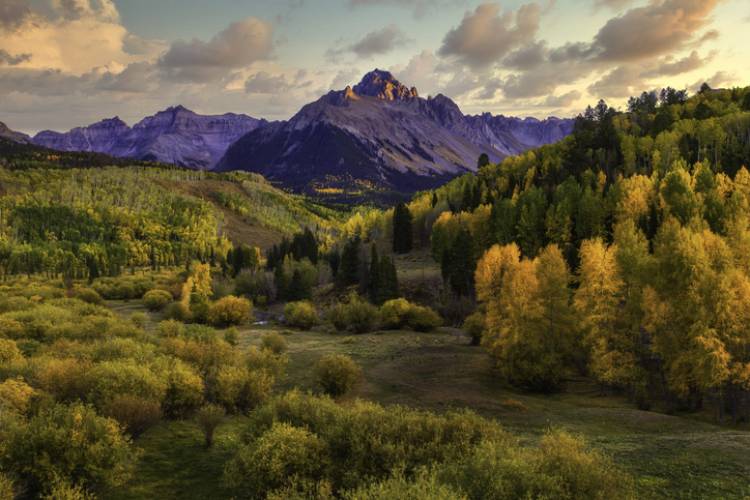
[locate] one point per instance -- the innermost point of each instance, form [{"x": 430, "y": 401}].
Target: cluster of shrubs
[
  {"x": 303, "y": 446},
  {"x": 358, "y": 316},
  {"x": 123, "y": 287},
  {"x": 77, "y": 382}
]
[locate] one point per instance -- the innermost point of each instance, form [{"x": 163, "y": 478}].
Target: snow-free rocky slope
[
  {"x": 381, "y": 135},
  {"x": 175, "y": 135}
]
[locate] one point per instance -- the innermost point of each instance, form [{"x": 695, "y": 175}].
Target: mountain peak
[{"x": 383, "y": 85}]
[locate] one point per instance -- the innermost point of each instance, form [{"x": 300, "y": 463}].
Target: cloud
[
  {"x": 564, "y": 100},
  {"x": 486, "y": 35},
  {"x": 660, "y": 27},
  {"x": 420, "y": 8},
  {"x": 419, "y": 72},
  {"x": 265, "y": 83},
  {"x": 718, "y": 80},
  {"x": 343, "y": 78},
  {"x": 379, "y": 41},
  {"x": 527, "y": 57},
  {"x": 623, "y": 81},
  {"x": 612, "y": 4},
  {"x": 77, "y": 9},
  {"x": 670, "y": 67},
  {"x": 239, "y": 45},
  {"x": 11, "y": 60},
  {"x": 140, "y": 77},
  {"x": 13, "y": 13}
]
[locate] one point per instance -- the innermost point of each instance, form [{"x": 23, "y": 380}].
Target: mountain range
[
  {"x": 377, "y": 136},
  {"x": 381, "y": 135},
  {"x": 175, "y": 135}
]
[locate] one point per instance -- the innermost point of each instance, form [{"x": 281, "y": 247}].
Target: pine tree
[
  {"x": 373, "y": 276},
  {"x": 349, "y": 268},
  {"x": 388, "y": 288},
  {"x": 402, "y": 229}
]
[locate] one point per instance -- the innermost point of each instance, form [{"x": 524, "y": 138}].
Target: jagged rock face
[
  {"x": 7, "y": 133},
  {"x": 382, "y": 133},
  {"x": 175, "y": 135},
  {"x": 382, "y": 85}
]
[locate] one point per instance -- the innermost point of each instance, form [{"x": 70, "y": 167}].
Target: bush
[
  {"x": 10, "y": 328},
  {"x": 88, "y": 295},
  {"x": 185, "y": 389},
  {"x": 134, "y": 413},
  {"x": 561, "y": 467},
  {"x": 241, "y": 389},
  {"x": 337, "y": 374},
  {"x": 178, "y": 311},
  {"x": 423, "y": 319},
  {"x": 6, "y": 488},
  {"x": 356, "y": 316},
  {"x": 208, "y": 419},
  {"x": 257, "y": 285},
  {"x": 425, "y": 486},
  {"x": 393, "y": 313},
  {"x": 230, "y": 310},
  {"x": 9, "y": 351},
  {"x": 70, "y": 443},
  {"x": 156, "y": 300},
  {"x": 400, "y": 313},
  {"x": 139, "y": 319},
  {"x": 110, "y": 379},
  {"x": 171, "y": 328},
  {"x": 274, "y": 342},
  {"x": 474, "y": 326},
  {"x": 280, "y": 454},
  {"x": 390, "y": 452},
  {"x": 302, "y": 315},
  {"x": 16, "y": 396}
]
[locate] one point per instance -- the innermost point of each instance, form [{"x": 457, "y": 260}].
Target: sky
[{"x": 68, "y": 63}]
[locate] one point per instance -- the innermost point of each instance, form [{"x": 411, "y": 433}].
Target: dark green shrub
[
  {"x": 273, "y": 342},
  {"x": 88, "y": 295},
  {"x": 134, "y": 413},
  {"x": 240, "y": 389},
  {"x": 281, "y": 454},
  {"x": 70, "y": 443},
  {"x": 156, "y": 300},
  {"x": 356, "y": 316},
  {"x": 302, "y": 315},
  {"x": 337, "y": 374},
  {"x": 178, "y": 311},
  {"x": 474, "y": 326},
  {"x": 423, "y": 319}
]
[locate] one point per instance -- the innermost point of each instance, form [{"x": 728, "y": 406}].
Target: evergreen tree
[
  {"x": 349, "y": 268},
  {"x": 402, "y": 229},
  {"x": 483, "y": 160},
  {"x": 373, "y": 276},
  {"x": 388, "y": 277},
  {"x": 458, "y": 263}
]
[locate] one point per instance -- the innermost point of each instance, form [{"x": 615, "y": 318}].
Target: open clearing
[{"x": 671, "y": 455}]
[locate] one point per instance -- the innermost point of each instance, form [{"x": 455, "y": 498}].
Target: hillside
[{"x": 134, "y": 215}]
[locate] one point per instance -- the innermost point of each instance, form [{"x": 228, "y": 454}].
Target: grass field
[{"x": 671, "y": 456}]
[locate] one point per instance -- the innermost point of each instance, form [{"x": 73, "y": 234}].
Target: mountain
[
  {"x": 175, "y": 135},
  {"x": 7, "y": 133},
  {"x": 381, "y": 136}
]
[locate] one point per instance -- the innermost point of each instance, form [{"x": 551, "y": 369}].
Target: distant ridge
[{"x": 175, "y": 135}]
